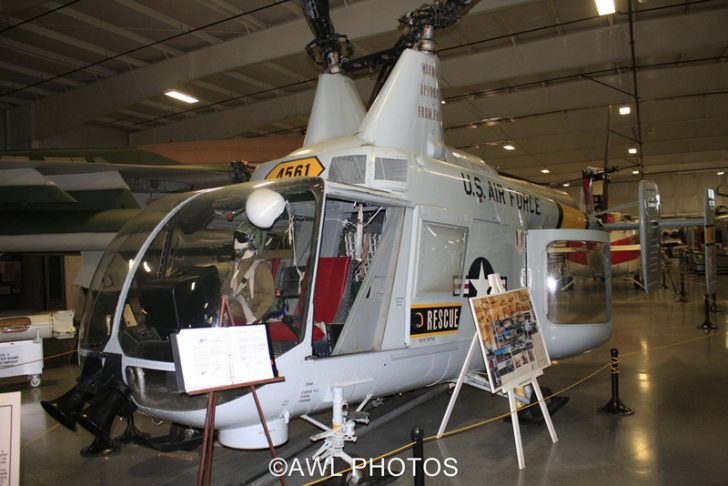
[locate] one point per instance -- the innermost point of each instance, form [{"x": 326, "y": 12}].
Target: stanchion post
[
  {"x": 418, "y": 453},
  {"x": 714, "y": 305},
  {"x": 707, "y": 325},
  {"x": 683, "y": 295},
  {"x": 615, "y": 406}
]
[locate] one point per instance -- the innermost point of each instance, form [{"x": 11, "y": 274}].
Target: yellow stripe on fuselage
[{"x": 572, "y": 218}]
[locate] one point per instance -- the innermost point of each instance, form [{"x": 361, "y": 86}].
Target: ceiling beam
[
  {"x": 359, "y": 20},
  {"x": 225, "y": 8},
  {"x": 38, "y": 74},
  {"x": 55, "y": 57},
  {"x": 594, "y": 47},
  {"x": 114, "y": 29},
  {"x": 72, "y": 41},
  {"x": 571, "y": 53},
  {"x": 581, "y": 94},
  {"x": 166, "y": 19}
]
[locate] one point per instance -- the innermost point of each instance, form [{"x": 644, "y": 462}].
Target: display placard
[
  {"x": 10, "y": 439},
  {"x": 510, "y": 338},
  {"x": 222, "y": 356}
]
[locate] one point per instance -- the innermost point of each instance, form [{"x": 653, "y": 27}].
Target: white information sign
[
  {"x": 10, "y": 439},
  {"x": 221, "y": 356}
]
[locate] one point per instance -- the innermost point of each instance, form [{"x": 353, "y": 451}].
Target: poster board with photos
[
  {"x": 510, "y": 338},
  {"x": 217, "y": 357},
  {"x": 10, "y": 439}
]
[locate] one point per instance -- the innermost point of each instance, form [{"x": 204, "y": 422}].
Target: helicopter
[{"x": 376, "y": 233}]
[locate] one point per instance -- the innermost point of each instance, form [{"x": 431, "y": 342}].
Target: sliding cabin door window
[{"x": 440, "y": 258}]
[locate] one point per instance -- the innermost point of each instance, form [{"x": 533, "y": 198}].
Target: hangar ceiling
[{"x": 546, "y": 77}]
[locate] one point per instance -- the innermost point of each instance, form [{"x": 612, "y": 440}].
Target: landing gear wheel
[{"x": 34, "y": 381}]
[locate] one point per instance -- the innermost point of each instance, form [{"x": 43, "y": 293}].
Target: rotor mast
[
  {"x": 419, "y": 29},
  {"x": 328, "y": 48}
]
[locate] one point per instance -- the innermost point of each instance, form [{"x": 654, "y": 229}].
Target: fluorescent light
[
  {"x": 605, "y": 7},
  {"x": 625, "y": 110},
  {"x": 508, "y": 146},
  {"x": 545, "y": 171},
  {"x": 632, "y": 150},
  {"x": 722, "y": 172},
  {"x": 566, "y": 184},
  {"x": 178, "y": 95},
  {"x": 442, "y": 102},
  {"x": 635, "y": 172}
]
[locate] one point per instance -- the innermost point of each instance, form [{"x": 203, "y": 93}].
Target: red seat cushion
[
  {"x": 281, "y": 332},
  {"x": 330, "y": 285},
  {"x": 274, "y": 264},
  {"x": 329, "y": 289}
]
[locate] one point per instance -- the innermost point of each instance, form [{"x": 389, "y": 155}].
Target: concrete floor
[{"x": 676, "y": 436}]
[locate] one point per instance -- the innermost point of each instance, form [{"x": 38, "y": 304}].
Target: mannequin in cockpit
[{"x": 249, "y": 284}]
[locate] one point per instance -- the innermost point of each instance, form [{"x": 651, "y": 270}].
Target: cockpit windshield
[
  {"x": 208, "y": 266},
  {"x": 113, "y": 268}
]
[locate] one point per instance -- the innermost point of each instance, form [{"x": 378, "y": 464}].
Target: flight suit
[{"x": 250, "y": 288}]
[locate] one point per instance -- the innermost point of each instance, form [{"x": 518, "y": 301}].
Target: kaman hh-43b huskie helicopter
[{"x": 376, "y": 233}]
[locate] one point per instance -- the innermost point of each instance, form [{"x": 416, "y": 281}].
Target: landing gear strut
[{"x": 340, "y": 432}]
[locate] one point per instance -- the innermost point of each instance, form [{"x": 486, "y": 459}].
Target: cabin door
[{"x": 356, "y": 267}]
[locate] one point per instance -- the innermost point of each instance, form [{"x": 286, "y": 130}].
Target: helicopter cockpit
[
  {"x": 178, "y": 252},
  {"x": 166, "y": 271}
]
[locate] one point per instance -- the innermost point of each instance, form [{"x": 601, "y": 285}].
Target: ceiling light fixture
[
  {"x": 566, "y": 184},
  {"x": 635, "y": 172},
  {"x": 605, "y": 7},
  {"x": 508, "y": 146},
  {"x": 721, "y": 172},
  {"x": 545, "y": 171},
  {"x": 178, "y": 95},
  {"x": 625, "y": 110},
  {"x": 632, "y": 150},
  {"x": 442, "y": 102}
]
